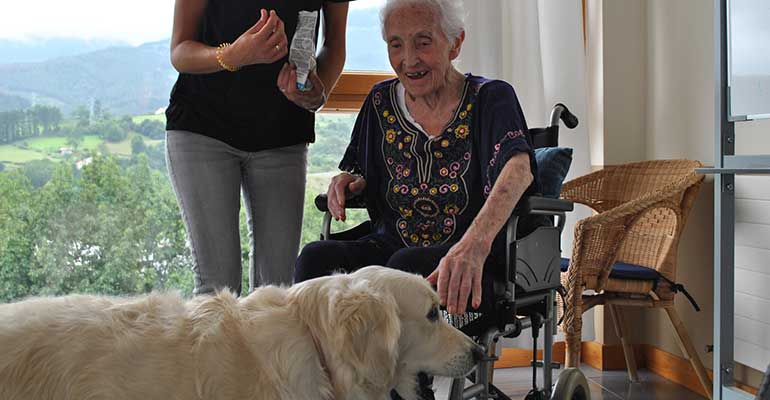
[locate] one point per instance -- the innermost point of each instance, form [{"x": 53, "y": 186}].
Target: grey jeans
[{"x": 207, "y": 176}]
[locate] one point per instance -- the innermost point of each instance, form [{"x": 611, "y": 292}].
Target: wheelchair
[{"x": 524, "y": 298}]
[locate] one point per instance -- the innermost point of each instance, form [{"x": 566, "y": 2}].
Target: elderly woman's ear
[{"x": 457, "y": 46}]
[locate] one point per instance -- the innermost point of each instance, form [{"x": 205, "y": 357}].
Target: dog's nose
[{"x": 478, "y": 352}]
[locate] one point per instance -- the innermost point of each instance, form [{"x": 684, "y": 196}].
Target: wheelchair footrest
[{"x": 539, "y": 364}]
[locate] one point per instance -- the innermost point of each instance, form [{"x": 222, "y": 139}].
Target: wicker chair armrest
[{"x": 584, "y": 189}]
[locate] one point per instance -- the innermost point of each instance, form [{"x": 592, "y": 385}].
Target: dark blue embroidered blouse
[{"x": 425, "y": 191}]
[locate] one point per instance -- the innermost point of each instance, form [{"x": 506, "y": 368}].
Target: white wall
[
  {"x": 625, "y": 80},
  {"x": 677, "y": 112}
]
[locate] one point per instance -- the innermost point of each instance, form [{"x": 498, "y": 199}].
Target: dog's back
[{"x": 81, "y": 347}]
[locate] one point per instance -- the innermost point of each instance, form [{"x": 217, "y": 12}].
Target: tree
[
  {"x": 152, "y": 129},
  {"x": 39, "y": 172},
  {"x": 17, "y": 219},
  {"x": 137, "y": 145},
  {"x": 82, "y": 115}
]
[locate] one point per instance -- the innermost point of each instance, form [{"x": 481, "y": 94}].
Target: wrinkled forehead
[{"x": 411, "y": 19}]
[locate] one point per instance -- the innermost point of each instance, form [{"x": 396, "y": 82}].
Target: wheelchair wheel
[{"x": 571, "y": 385}]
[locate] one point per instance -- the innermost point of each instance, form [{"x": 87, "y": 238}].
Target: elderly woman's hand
[
  {"x": 263, "y": 43},
  {"x": 310, "y": 100},
  {"x": 459, "y": 274},
  {"x": 342, "y": 187}
]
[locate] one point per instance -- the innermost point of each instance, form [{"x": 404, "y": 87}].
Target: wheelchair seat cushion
[
  {"x": 621, "y": 270},
  {"x": 553, "y": 164}
]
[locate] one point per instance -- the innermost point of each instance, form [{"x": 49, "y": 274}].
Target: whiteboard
[{"x": 749, "y": 59}]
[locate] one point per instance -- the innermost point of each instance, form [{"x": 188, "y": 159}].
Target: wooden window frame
[{"x": 351, "y": 90}]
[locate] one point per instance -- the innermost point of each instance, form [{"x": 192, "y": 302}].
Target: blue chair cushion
[
  {"x": 621, "y": 270},
  {"x": 552, "y": 164}
]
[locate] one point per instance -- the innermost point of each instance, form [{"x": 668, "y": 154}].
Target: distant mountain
[
  {"x": 126, "y": 80},
  {"x": 42, "y": 49},
  {"x": 131, "y": 80}
]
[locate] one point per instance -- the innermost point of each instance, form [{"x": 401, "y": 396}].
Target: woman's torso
[{"x": 245, "y": 108}]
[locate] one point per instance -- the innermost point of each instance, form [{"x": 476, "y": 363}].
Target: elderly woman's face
[{"x": 419, "y": 52}]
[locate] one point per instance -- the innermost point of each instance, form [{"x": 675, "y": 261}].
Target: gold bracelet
[{"x": 222, "y": 62}]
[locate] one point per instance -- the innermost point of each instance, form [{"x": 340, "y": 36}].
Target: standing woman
[{"x": 236, "y": 122}]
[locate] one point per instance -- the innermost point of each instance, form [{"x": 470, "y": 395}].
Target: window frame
[{"x": 352, "y": 88}]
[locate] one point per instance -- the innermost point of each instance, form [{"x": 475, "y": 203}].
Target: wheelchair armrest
[
  {"x": 543, "y": 206},
  {"x": 353, "y": 202}
]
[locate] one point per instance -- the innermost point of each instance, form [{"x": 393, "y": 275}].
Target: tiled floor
[{"x": 608, "y": 385}]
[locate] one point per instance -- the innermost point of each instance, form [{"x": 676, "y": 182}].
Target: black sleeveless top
[{"x": 244, "y": 109}]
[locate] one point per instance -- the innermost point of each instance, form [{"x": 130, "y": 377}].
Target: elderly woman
[{"x": 441, "y": 157}]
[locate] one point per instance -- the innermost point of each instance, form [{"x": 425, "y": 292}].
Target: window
[
  {"x": 85, "y": 203},
  {"x": 367, "y": 57}
]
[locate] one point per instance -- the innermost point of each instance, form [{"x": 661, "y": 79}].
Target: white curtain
[{"x": 538, "y": 47}]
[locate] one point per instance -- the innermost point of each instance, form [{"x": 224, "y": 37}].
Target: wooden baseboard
[{"x": 610, "y": 357}]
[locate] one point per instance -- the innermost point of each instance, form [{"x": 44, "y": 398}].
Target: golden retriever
[{"x": 354, "y": 336}]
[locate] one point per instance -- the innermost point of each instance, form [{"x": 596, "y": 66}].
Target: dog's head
[{"x": 380, "y": 327}]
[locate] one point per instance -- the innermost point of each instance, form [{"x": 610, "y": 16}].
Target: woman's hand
[
  {"x": 263, "y": 43},
  {"x": 459, "y": 274},
  {"x": 342, "y": 187},
  {"x": 310, "y": 100}
]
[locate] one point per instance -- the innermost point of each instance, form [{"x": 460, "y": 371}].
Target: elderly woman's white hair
[{"x": 451, "y": 12}]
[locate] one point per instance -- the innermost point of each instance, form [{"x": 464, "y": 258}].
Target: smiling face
[{"x": 419, "y": 52}]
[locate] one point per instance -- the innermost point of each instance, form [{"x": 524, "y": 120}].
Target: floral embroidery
[
  {"x": 431, "y": 192},
  {"x": 390, "y": 135},
  {"x": 508, "y": 137},
  {"x": 462, "y": 131}
]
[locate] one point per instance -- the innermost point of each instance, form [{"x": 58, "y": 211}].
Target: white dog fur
[{"x": 372, "y": 330}]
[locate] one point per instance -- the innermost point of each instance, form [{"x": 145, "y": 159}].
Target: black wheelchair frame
[{"x": 526, "y": 298}]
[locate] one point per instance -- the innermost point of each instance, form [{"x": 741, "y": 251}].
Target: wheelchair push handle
[{"x": 560, "y": 111}]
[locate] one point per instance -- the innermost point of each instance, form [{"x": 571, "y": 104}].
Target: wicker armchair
[{"x": 626, "y": 253}]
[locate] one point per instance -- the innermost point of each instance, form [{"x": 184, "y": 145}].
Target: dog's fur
[{"x": 371, "y": 328}]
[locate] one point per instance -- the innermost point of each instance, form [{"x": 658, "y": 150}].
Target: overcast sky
[{"x": 133, "y": 21}]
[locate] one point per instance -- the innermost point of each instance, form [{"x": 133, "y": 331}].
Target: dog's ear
[
  {"x": 224, "y": 365},
  {"x": 368, "y": 329}
]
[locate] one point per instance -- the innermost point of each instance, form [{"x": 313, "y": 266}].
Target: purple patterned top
[{"x": 425, "y": 191}]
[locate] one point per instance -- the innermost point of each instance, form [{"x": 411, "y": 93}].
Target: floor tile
[{"x": 604, "y": 385}]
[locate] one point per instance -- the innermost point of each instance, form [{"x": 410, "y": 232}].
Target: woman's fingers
[
  {"x": 357, "y": 186},
  {"x": 442, "y": 281},
  {"x": 477, "y": 276},
  {"x": 339, "y": 192},
  {"x": 318, "y": 85},
  {"x": 282, "y": 75},
  {"x": 466, "y": 283},
  {"x": 331, "y": 200},
  {"x": 270, "y": 26},
  {"x": 261, "y": 23},
  {"x": 453, "y": 291}
]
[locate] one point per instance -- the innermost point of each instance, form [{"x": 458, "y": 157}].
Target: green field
[
  {"x": 48, "y": 147},
  {"x": 54, "y": 143},
  {"x": 154, "y": 117},
  {"x": 11, "y": 154}
]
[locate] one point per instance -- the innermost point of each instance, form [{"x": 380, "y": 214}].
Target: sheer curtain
[{"x": 538, "y": 47}]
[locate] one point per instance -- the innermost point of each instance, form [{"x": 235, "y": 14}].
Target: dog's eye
[{"x": 433, "y": 314}]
